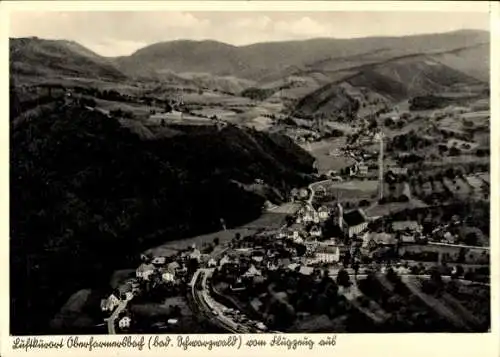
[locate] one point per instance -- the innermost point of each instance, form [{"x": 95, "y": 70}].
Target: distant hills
[
  {"x": 257, "y": 61},
  {"x": 56, "y": 58},
  {"x": 244, "y": 66}
]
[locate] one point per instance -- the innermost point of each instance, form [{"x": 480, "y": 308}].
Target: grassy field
[
  {"x": 356, "y": 189},
  {"x": 138, "y": 110},
  {"x": 208, "y": 98},
  {"x": 389, "y": 208},
  {"x": 220, "y": 113},
  {"x": 269, "y": 220},
  {"x": 324, "y": 162},
  {"x": 485, "y": 177}
]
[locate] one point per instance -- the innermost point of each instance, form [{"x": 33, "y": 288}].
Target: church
[{"x": 350, "y": 223}]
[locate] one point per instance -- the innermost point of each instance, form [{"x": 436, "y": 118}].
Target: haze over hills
[
  {"x": 259, "y": 60},
  {"x": 242, "y": 66}
]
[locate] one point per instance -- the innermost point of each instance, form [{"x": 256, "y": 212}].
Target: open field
[
  {"x": 220, "y": 113},
  {"x": 475, "y": 182},
  {"x": 389, "y": 208},
  {"x": 269, "y": 220},
  {"x": 215, "y": 99},
  {"x": 485, "y": 177},
  {"x": 138, "y": 110},
  {"x": 356, "y": 189},
  {"x": 324, "y": 162},
  {"x": 461, "y": 159}
]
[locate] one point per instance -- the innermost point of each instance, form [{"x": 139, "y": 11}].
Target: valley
[{"x": 185, "y": 142}]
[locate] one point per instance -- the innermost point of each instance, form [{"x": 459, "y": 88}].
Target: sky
[{"x": 121, "y": 33}]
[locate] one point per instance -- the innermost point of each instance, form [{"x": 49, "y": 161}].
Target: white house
[
  {"x": 195, "y": 254},
  {"x": 144, "y": 271},
  {"x": 158, "y": 260},
  {"x": 224, "y": 260},
  {"x": 297, "y": 238},
  {"x": 167, "y": 276},
  {"x": 281, "y": 235},
  {"x": 158, "y": 117},
  {"x": 449, "y": 238},
  {"x": 362, "y": 170},
  {"x": 327, "y": 254},
  {"x": 303, "y": 193},
  {"x": 212, "y": 263},
  {"x": 257, "y": 258},
  {"x": 124, "y": 322},
  {"x": 316, "y": 231},
  {"x": 323, "y": 213},
  {"x": 408, "y": 238},
  {"x": 110, "y": 303},
  {"x": 173, "y": 267},
  {"x": 305, "y": 270},
  {"x": 129, "y": 295}
]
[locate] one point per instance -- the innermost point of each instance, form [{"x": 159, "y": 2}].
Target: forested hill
[{"x": 88, "y": 194}]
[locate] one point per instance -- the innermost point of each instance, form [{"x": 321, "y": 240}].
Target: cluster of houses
[
  {"x": 171, "y": 271},
  {"x": 350, "y": 223}
]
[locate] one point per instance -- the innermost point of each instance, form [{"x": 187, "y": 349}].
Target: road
[
  {"x": 200, "y": 299},
  {"x": 312, "y": 187},
  {"x": 111, "y": 319},
  {"x": 206, "y": 306}
]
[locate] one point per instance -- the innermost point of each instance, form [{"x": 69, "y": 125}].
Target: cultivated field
[{"x": 356, "y": 189}]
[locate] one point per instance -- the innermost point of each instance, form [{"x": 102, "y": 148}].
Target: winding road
[{"x": 111, "y": 319}]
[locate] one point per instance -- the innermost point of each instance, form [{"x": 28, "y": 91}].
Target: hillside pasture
[
  {"x": 485, "y": 177},
  {"x": 474, "y": 182},
  {"x": 461, "y": 144},
  {"x": 208, "y": 98},
  {"x": 138, "y": 110},
  {"x": 451, "y": 123},
  {"x": 220, "y": 113},
  {"x": 457, "y": 186},
  {"x": 481, "y": 104}
]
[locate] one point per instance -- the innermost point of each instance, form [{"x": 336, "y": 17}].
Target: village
[
  {"x": 323, "y": 238},
  {"x": 383, "y": 213}
]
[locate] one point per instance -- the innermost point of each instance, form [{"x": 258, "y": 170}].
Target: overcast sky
[{"x": 121, "y": 33}]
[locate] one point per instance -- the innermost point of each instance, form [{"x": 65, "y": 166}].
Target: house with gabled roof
[
  {"x": 110, "y": 303},
  {"x": 145, "y": 270},
  {"x": 124, "y": 322}
]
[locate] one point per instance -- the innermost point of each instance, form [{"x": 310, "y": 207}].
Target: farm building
[{"x": 158, "y": 260}]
